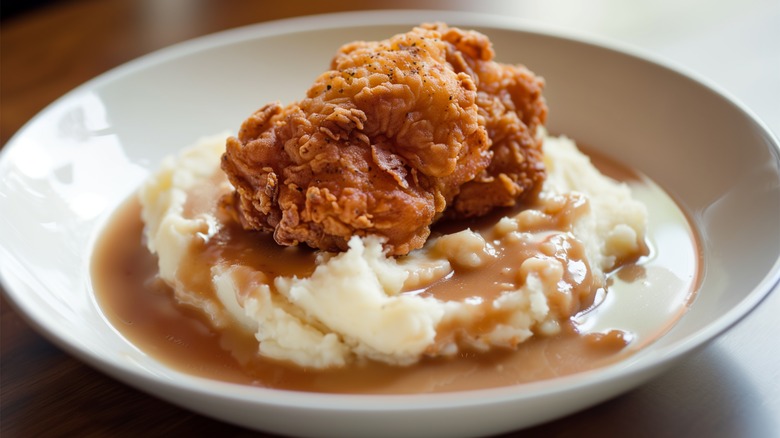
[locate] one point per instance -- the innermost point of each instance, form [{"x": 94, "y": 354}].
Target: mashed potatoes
[{"x": 469, "y": 289}]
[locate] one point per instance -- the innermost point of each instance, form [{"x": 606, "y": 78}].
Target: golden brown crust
[
  {"x": 510, "y": 100},
  {"x": 395, "y": 133}
]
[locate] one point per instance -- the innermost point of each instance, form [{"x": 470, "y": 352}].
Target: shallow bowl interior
[{"x": 67, "y": 169}]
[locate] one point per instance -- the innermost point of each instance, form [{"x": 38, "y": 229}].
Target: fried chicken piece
[
  {"x": 381, "y": 145},
  {"x": 510, "y": 100},
  {"x": 395, "y": 133}
]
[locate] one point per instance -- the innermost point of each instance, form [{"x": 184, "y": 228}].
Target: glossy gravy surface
[{"x": 142, "y": 308}]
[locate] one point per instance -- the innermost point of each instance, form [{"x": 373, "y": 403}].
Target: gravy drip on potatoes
[
  {"x": 501, "y": 272},
  {"x": 143, "y": 309}
]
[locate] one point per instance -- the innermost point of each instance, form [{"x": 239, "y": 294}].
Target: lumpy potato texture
[{"x": 521, "y": 277}]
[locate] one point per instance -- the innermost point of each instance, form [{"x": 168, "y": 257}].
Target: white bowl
[{"x": 69, "y": 167}]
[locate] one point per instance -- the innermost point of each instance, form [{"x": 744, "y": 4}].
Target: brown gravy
[{"x": 142, "y": 308}]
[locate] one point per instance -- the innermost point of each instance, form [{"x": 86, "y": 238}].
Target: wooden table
[{"x": 730, "y": 388}]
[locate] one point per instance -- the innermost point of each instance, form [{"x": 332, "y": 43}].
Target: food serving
[{"x": 411, "y": 208}]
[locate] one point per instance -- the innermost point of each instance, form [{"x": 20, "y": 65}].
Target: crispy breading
[
  {"x": 393, "y": 134},
  {"x": 510, "y": 100}
]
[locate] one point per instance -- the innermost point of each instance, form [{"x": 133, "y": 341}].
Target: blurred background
[{"x": 52, "y": 46}]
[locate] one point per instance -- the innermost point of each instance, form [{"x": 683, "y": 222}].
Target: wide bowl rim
[{"x": 394, "y": 402}]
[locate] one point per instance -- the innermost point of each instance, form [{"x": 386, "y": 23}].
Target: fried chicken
[
  {"x": 395, "y": 133},
  {"x": 510, "y": 100}
]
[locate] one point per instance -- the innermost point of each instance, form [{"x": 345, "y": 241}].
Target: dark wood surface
[{"x": 53, "y": 48}]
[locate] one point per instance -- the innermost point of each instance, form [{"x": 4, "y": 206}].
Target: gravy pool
[{"x": 641, "y": 302}]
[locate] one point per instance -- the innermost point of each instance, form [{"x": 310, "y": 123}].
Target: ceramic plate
[{"x": 73, "y": 164}]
